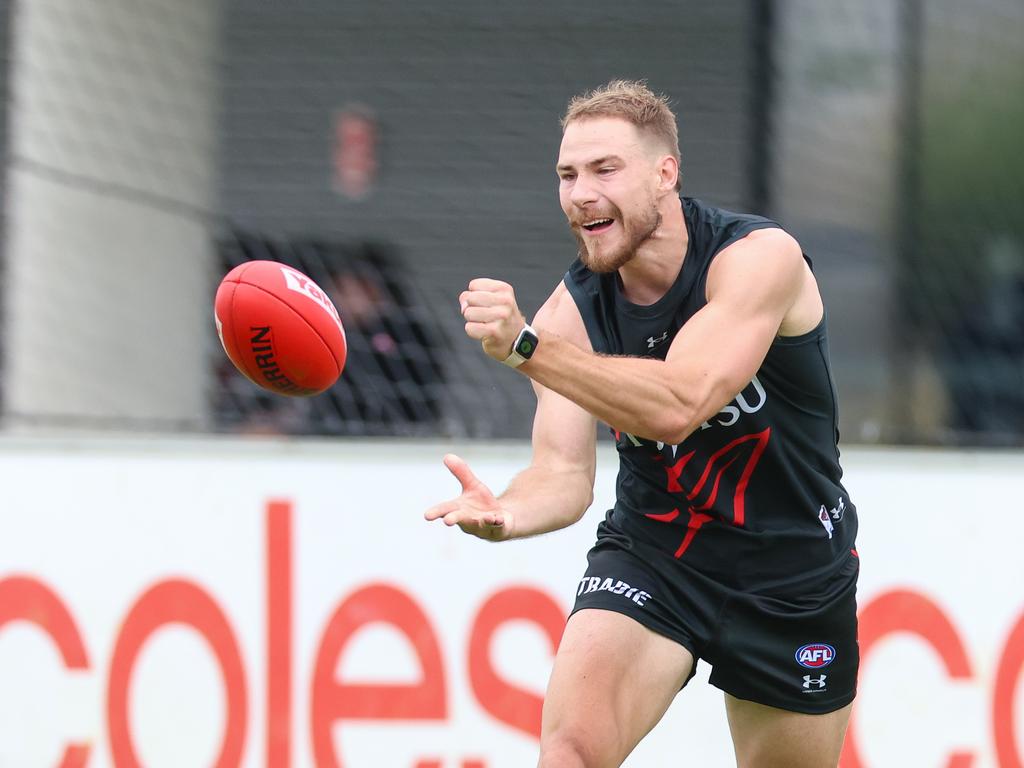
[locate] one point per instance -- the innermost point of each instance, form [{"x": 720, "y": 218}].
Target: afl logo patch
[{"x": 815, "y": 655}]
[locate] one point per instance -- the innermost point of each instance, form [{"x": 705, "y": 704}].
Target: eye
[
  {"x": 606, "y": 170},
  {"x": 568, "y": 177}
]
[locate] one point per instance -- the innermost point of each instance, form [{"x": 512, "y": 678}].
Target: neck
[{"x": 648, "y": 275}]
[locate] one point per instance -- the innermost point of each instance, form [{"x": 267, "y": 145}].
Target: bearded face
[
  {"x": 609, "y": 190},
  {"x": 609, "y": 240}
]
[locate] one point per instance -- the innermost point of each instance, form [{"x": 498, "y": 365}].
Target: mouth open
[{"x": 597, "y": 226}]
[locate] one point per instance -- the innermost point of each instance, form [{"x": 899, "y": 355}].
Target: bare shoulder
[
  {"x": 560, "y": 315},
  {"x": 767, "y": 269},
  {"x": 764, "y": 250}
]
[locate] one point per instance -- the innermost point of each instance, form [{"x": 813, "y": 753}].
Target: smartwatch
[{"x": 523, "y": 347}]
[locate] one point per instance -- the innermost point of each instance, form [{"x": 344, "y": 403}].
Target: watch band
[{"x": 523, "y": 347}]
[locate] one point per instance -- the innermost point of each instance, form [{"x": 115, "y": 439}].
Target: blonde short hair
[{"x": 632, "y": 101}]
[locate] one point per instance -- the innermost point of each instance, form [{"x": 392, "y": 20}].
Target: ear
[{"x": 668, "y": 173}]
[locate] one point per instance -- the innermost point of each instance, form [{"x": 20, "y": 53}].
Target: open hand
[{"x": 475, "y": 510}]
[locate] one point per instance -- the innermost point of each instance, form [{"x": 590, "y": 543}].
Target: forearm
[
  {"x": 630, "y": 394},
  {"x": 542, "y": 500}
]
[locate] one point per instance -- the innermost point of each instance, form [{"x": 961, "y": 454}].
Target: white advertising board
[{"x": 279, "y": 605}]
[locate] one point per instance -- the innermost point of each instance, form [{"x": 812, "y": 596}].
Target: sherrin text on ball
[{"x": 280, "y": 329}]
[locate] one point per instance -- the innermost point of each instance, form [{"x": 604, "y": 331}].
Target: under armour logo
[
  {"x": 837, "y": 511},
  {"x": 652, "y": 341},
  {"x": 829, "y": 516},
  {"x": 817, "y": 681}
]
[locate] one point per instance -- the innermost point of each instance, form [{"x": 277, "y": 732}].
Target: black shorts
[{"x": 792, "y": 650}]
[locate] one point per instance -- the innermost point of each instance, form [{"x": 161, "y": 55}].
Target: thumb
[{"x": 461, "y": 470}]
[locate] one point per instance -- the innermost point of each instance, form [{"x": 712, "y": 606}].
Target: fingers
[
  {"x": 498, "y": 313},
  {"x": 492, "y": 315},
  {"x": 461, "y": 470},
  {"x": 480, "y": 331},
  {"x": 485, "y": 292},
  {"x": 492, "y": 521},
  {"x": 487, "y": 284},
  {"x": 475, "y": 510},
  {"x": 488, "y": 525},
  {"x": 483, "y": 298},
  {"x": 484, "y": 308},
  {"x": 440, "y": 510},
  {"x": 467, "y": 522}
]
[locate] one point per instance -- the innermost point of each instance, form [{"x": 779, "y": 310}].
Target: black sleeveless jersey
[{"x": 753, "y": 498}]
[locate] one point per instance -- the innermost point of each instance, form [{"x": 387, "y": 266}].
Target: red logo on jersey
[{"x": 704, "y": 493}]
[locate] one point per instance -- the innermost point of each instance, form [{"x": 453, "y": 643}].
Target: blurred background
[{"x": 394, "y": 151}]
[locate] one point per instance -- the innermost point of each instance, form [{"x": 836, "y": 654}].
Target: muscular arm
[
  {"x": 752, "y": 287},
  {"x": 557, "y": 487}
]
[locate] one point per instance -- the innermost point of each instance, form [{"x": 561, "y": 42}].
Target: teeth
[{"x": 595, "y": 222}]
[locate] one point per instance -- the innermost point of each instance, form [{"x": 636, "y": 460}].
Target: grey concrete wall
[{"x": 108, "y": 246}]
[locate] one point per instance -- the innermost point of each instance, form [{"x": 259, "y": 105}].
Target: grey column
[{"x": 108, "y": 243}]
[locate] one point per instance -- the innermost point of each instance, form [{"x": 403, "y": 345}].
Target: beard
[{"x": 636, "y": 232}]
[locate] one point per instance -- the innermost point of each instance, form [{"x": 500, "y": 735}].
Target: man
[{"x": 698, "y": 336}]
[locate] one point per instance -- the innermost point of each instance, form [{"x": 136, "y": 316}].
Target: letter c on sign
[
  {"x": 26, "y": 599},
  {"x": 178, "y": 602},
  {"x": 905, "y": 611}
]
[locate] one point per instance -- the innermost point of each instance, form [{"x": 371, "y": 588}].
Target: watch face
[{"x": 527, "y": 344}]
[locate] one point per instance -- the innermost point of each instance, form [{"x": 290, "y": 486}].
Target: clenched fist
[{"x": 492, "y": 316}]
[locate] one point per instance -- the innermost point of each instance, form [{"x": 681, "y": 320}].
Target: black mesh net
[{"x": 393, "y": 382}]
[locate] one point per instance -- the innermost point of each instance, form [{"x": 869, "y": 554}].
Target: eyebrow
[{"x": 599, "y": 161}]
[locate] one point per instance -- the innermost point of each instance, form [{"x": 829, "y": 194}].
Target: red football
[{"x": 280, "y": 329}]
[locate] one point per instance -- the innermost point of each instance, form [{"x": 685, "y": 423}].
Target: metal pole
[{"x": 762, "y": 74}]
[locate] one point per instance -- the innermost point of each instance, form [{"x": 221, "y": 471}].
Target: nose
[{"x": 583, "y": 192}]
